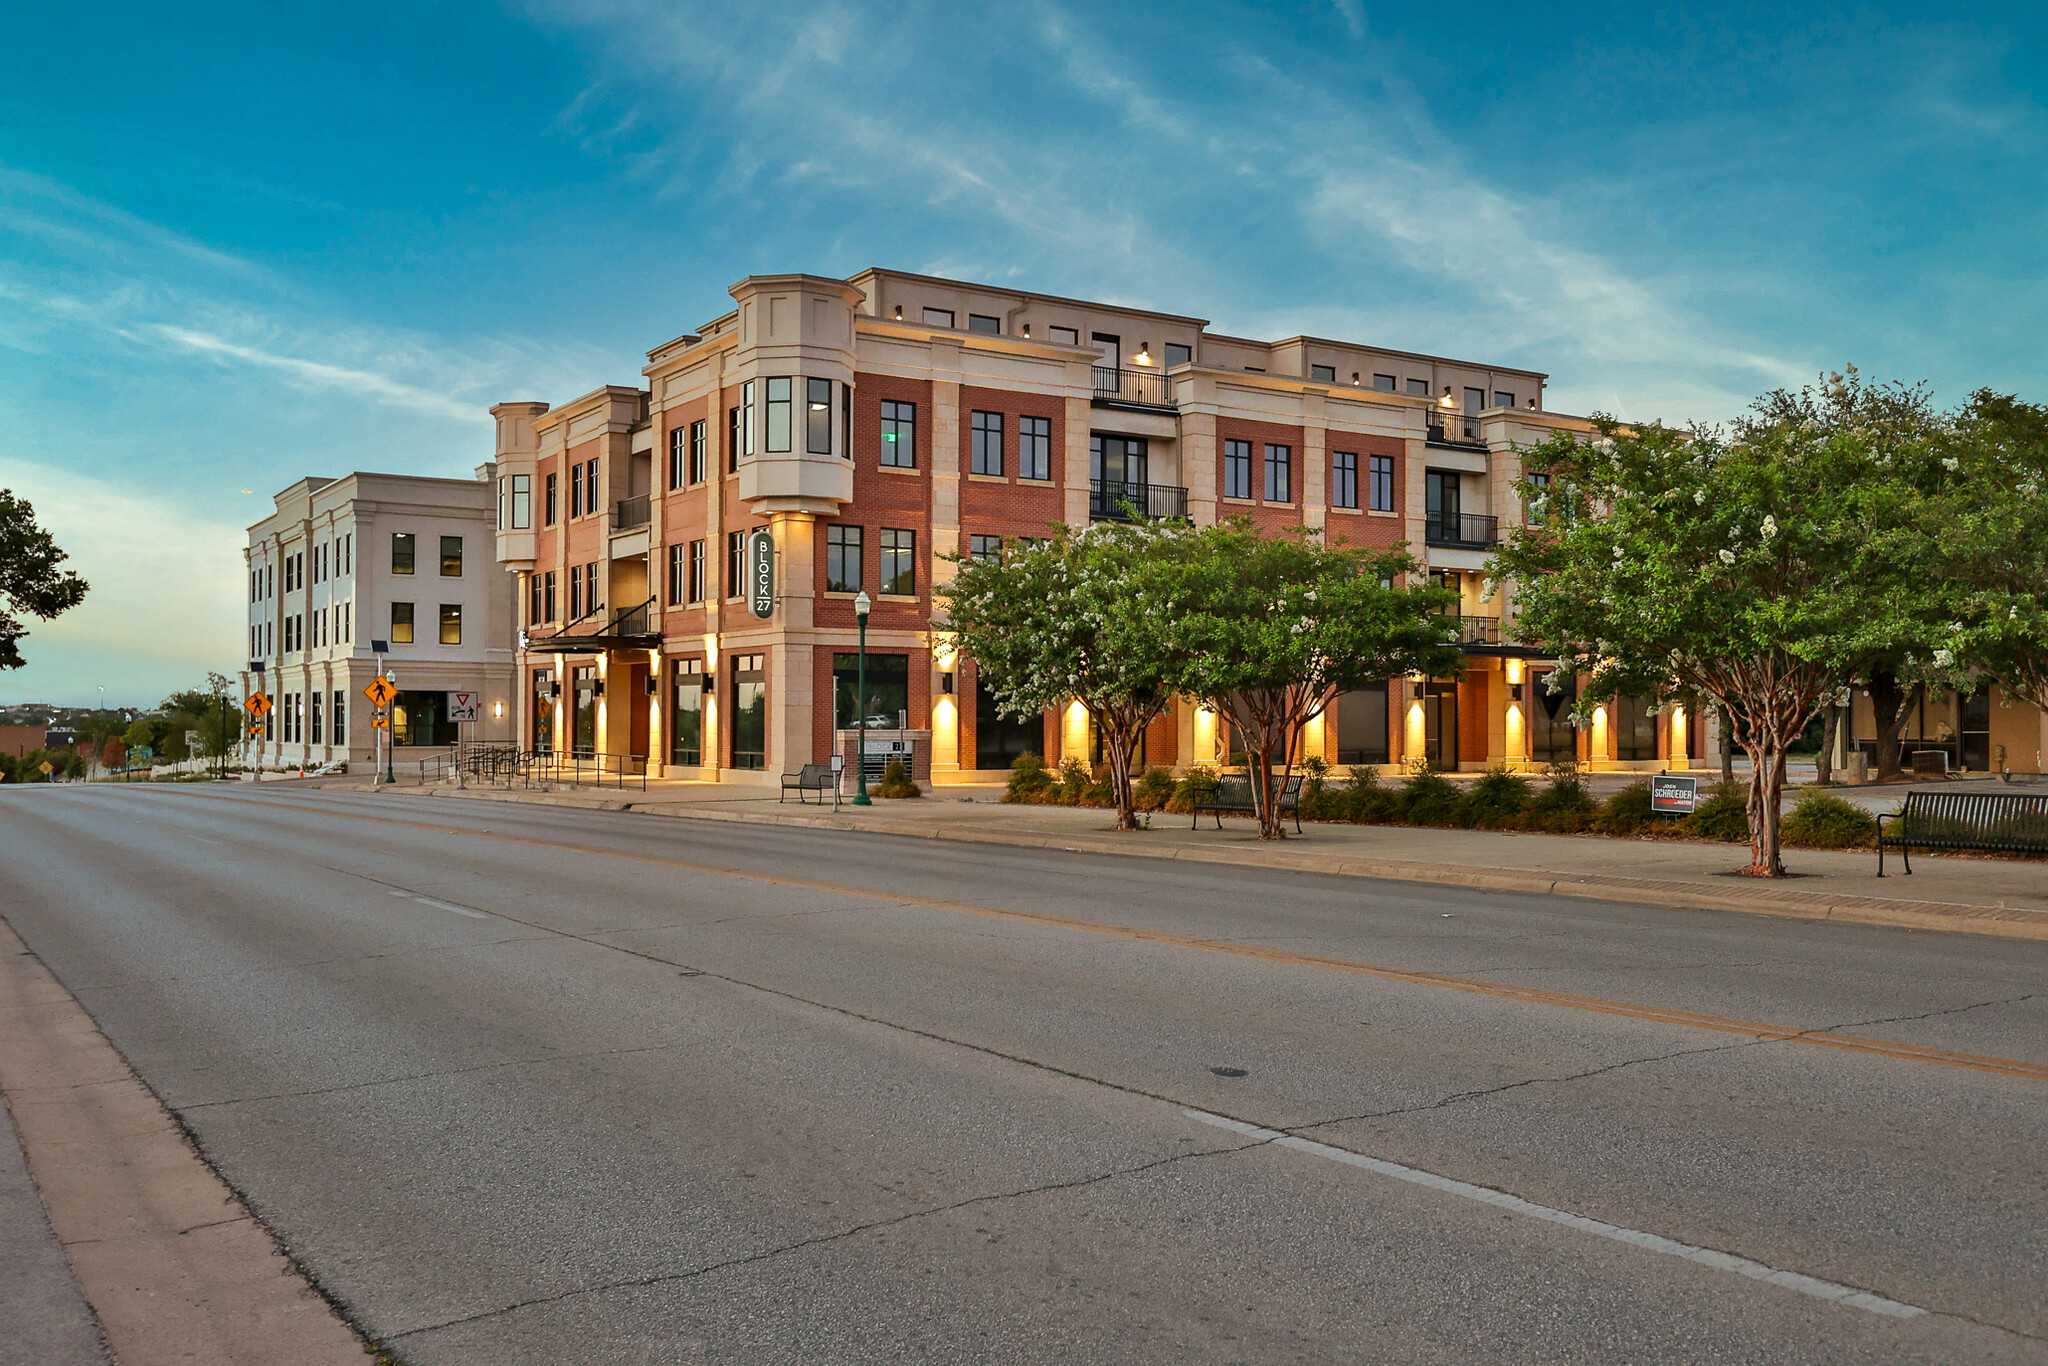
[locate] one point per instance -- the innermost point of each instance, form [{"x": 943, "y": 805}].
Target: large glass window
[
  {"x": 1279, "y": 474},
  {"x": 451, "y": 557},
  {"x": 583, "y": 716},
  {"x": 984, "y": 322},
  {"x": 340, "y": 716},
  {"x": 999, "y": 736},
  {"x": 697, "y": 451},
  {"x": 984, "y": 547},
  {"x": 1382, "y": 481},
  {"x": 1237, "y": 469},
  {"x": 749, "y": 712},
  {"x": 686, "y": 713},
  {"x": 451, "y": 623},
  {"x": 780, "y": 418},
  {"x": 1552, "y": 736},
  {"x": 1384, "y": 383},
  {"x": 543, "y": 711},
  {"x": 842, "y": 559},
  {"x": 1362, "y": 725},
  {"x": 697, "y": 572},
  {"x": 401, "y": 552},
  {"x": 1177, "y": 354},
  {"x": 1635, "y": 728},
  {"x": 1344, "y": 479},
  {"x": 678, "y": 573},
  {"x": 818, "y": 416},
  {"x": 548, "y": 502},
  {"x": 401, "y": 623},
  {"x": 899, "y": 434},
  {"x": 417, "y": 719},
  {"x": 987, "y": 454},
  {"x": 522, "y": 502},
  {"x": 1034, "y": 447},
  {"x": 678, "y": 457},
  {"x": 888, "y": 696},
  {"x": 899, "y": 562},
  {"x": 1440, "y": 724},
  {"x": 576, "y": 490},
  {"x": 735, "y": 562}
]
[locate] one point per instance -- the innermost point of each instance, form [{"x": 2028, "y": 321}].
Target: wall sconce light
[
  {"x": 1354, "y": 379},
  {"x": 1027, "y": 331},
  {"x": 1532, "y": 404},
  {"x": 710, "y": 681},
  {"x": 946, "y": 682},
  {"x": 597, "y": 687},
  {"x": 554, "y": 689},
  {"x": 653, "y": 686},
  {"x": 1144, "y": 356},
  {"x": 899, "y": 318},
  {"x": 1447, "y": 401},
  {"x": 498, "y": 710}
]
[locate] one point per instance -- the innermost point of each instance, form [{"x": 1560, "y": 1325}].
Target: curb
[{"x": 1955, "y": 917}]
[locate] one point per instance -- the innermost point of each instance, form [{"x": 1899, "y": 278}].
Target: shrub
[
  {"x": 1722, "y": 816},
  {"x": 1498, "y": 799},
  {"x": 1200, "y": 784},
  {"x": 1315, "y": 771},
  {"x": 1564, "y": 805},
  {"x": 1153, "y": 789},
  {"x": 1824, "y": 822},
  {"x": 1074, "y": 780},
  {"x": 1431, "y": 799},
  {"x": 896, "y": 782},
  {"x": 1029, "y": 781},
  {"x": 1626, "y": 812},
  {"x": 1099, "y": 791}
]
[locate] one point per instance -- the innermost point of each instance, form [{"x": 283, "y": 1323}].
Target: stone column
[
  {"x": 1315, "y": 460},
  {"x": 792, "y": 655}
]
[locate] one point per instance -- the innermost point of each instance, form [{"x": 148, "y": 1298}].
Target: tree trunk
[
  {"x": 1824, "y": 765},
  {"x": 1120, "y": 749},
  {"x": 1727, "y": 745},
  {"x": 1766, "y": 795},
  {"x": 1887, "y": 699}
]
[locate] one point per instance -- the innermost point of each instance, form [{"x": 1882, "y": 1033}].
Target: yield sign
[
  {"x": 258, "y": 704},
  {"x": 381, "y": 691}
]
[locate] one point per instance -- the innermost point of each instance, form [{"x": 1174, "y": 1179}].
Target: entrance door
[
  {"x": 543, "y": 711},
  {"x": 1440, "y": 725},
  {"x": 1976, "y": 730},
  {"x": 1440, "y": 489},
  {"x": 583, "y": 719},
  {"x": 1111, "y": 349},
  {"x": 637, "y": 728}
]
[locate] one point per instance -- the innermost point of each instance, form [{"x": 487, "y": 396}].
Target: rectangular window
[
  {"x": 697, "y": 571},
  {"x": 686, "y": 713},
  {"x": 846, "y": 422},
  {"x": 1325, "y": 374},
  {"x": 1237, "y": 469},
  {"x": 1380, "y": 489},
  {"x": 1034, "y": 447},
  {"x": 1176, "y": 354},
  {"x": 1475, "y": 399},
  {"x": 1419, "y": 388},
  {"x": 1384, "y": 383},
  {"x": 591, "y": 601},
  {"x": 987, "y": 455},
  {"x": 781, "y": 419},
  {"x": 985, "y": 547},
  {"x": 522, "y": 502},
  {"x": 1066, "y": 336},
  {"x": 1279, "y": 474},
  {"x": 547, "y": 596},
  {"x": 982, "y": 322},
  {"x": 547, "y": 505},
  {"x": 732, "y": 440},
  {"x": 1344, "y": 479},
  {"x": 401, "y": 623},
  {"x": 340, "y": 716},
  {"x": 938, "y": 317},
  {"x": 697, "y": 435},
  {"x": 451, "y": 557},
  {"x": 533, "y": 616},
  {"x": 749, "y": 712},
  {"x": 451, "y": 623},
  {"x": 818, "y": 416},
  {"x": 678, "y": 457},
  {"x": 1537, "y": 509},
  {"x": 576, "y": 490},
  {"x": 678, "y": 573},
  {"x": 735, "y": 562},
  {"x": 1503, "y": 399},
  {"x": 593, "y": 500},
  {"x": 886, "y": 704},
  {"x": 575, "y": 594},
  {"x": 899, "y": 562},
  {"x": 842, "y": 559},
  {"x": 899, "y": 435},
  {"x": 313, "y": 716},
  {"x": 747, "y": 420}
]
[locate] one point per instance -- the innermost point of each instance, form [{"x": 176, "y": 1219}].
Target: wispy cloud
[{"x": 320, "y": 375}]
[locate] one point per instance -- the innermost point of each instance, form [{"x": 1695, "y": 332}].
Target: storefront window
[
  {"x": 888, "y": 700},
  {"x": 1552, "y": 737},
  {"x": 416, "y": 719},
  {"x": 686, "y": 713},
  {"x": 543, "y": 711},
  {"x": 583, "y": 738},
  {"x": 1635, "y": 728},
  {"x": 1362, "y": 725},
  {"x": 749, "y": 712},
  {"x": 1000, "y": 737}
]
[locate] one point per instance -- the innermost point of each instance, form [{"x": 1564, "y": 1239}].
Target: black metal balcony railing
[
  {"x": 1450, "y": 427},
  {"x": 1479, "y": 630},
  {"x": 1114, "y": 500},
  {"x": 1462, "y": 532},
  {"x": 1145, "y": 388},
  {"x": 630, "y": 514}
]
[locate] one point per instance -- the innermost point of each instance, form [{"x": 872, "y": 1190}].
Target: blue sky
[{"x": 250, "y": 243}]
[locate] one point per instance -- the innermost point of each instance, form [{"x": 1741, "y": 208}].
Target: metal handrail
[
  {"x": 1113, "y": 500},
  {"x": 1453, "y": 427},
  {"x": 1469, "y": 530},
  {"x": 630, "y": 514},
  {"x": 1146, "y": 388},
  {"x": 1478, "y": 630}
]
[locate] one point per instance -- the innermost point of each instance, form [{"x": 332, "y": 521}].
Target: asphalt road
[{"x": 526, "y": 1084}]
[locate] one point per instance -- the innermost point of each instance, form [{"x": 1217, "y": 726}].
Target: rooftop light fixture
[
  {"x": 1354, "y": 377},
  {"x": 1027, "y": 331},
  {"x": 899, "y": 318},
  {"x": 1447, "y": 400},
  {"x": 1144, "y": 356}
]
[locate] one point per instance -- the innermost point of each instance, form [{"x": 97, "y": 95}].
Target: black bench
[
  {"x": 1988, "y": 822},
  {"x": 1234, "y": 794},
  {"x": 811, "y": 778}
]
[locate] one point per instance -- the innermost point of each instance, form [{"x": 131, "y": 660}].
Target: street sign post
[
  {"x": 381, "y": 692},
  {"x": 1674, "y": 794},
  {"x": 462, "y": 705}
]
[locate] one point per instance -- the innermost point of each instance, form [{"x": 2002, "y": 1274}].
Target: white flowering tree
[
  {"x": 1993, "y": 532},
  {"x": 1075, "y": 617},
  {"x": 1756, "y": 567},
  {"x": 1267, "y": 630}
]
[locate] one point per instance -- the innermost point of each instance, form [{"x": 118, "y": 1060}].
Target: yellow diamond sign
[
  {"x": 381, "y": 691},
  {"x": 258, "y": 703}
]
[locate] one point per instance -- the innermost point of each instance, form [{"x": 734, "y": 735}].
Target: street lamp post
[{"x": 861, "y": 606}]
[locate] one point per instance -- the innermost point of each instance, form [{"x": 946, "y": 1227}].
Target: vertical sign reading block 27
[{"x": 761, "y": 572}]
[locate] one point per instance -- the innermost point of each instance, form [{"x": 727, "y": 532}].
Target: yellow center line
[{"x": 1902, "y": 1052}]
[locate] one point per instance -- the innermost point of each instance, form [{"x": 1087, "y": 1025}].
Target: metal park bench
[
  {"x": 811, "y": 778},
  {"x": 1988, "y": 822},
  {"x": 1234, "y": 794}
]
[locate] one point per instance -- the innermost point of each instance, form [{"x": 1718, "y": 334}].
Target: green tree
[
  {"x": 1993, "y": 530},
  {"x": 30, "y": 581},
  {"x": 1757, "y": 567},
  {"x": 1072, "y": 618},
  {"x": 1267, "y": 630}
]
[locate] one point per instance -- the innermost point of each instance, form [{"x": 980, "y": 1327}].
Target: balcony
[
  {"x": 1478, "y": 630},
  {"x": 630, "y": 514},
  {"x": 1449, "y": 427},
  {"x": 1461, "y": 531},
  {"x": 1132, "y": 388},
  {"x": 1108, "y": 500}
]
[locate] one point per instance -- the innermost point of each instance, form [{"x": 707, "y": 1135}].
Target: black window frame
[
  {"x": 986, "y": 323},
  {"x": 1322, "y": 374},
  {"x": 1379, "y": 479},
  {"x": 451, "y": 613},
  {"x": 897, "y": 418},
  {"x": 984, "y": 548},
  {"x": 698, "y": 435},
  {"x": 778, "y": 415},
  {"x": 1237, "y": 469},
  {"x": 699, "y": 564},
  {"x": 410, "y": 558},
  {"x": 1279, "y": 472},
  {"x": 1177, "y": 354},
  {"x": 407, "y": 619},
  {"x": 1034, "y": 447},
  {"x": 1344, "y": 480},
  {"x": 817, "y": 416},
  {"x": 842, "y": 538},
  {"x": 900, "y": 545},
  {"x": 678, "y": 456},
  {"x": 548, "y": 508},
  {"x": 448, "y": 558},
  {"x": 985, "y": 443},
  {"x": 928, "y": 320},
  {"x": 735, "y": 563}
]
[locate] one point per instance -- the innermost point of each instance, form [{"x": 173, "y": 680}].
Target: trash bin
[{"x": 1856, "y": 768}]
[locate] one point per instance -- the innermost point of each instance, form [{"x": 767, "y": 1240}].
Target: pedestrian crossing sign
[
  {"x": 381, "y": 691},
  {"x": 258, "y": 704}
]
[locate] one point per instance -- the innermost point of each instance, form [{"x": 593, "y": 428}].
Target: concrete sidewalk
[{"x": 2006, "y": 897}]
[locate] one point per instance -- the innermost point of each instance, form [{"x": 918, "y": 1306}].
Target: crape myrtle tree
[
  {"x": 30, "y": 581},
  {"x": 1267, "y": 630},
  {"x": 1756, "y": 567},
  {"x": 1075, "y": 617},
  {"x": 1993, "y": 533}
]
